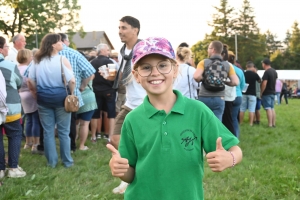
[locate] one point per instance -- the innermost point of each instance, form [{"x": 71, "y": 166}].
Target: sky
[{"x": 181, "y": 21}]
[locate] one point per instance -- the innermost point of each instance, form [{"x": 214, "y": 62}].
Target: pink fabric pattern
[{"x": 152, "y": 45}]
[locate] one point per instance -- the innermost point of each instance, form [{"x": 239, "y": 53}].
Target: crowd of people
[{"x": 193, "y": 110}]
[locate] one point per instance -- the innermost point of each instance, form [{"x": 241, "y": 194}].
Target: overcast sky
[{"x": 181, "y": 20}]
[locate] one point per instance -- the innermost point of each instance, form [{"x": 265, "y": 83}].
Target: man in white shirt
[
  {"x": 129, "y": 29},
  {"x": 19, "y": 42}
]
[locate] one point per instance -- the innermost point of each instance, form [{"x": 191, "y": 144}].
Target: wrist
[{"x": 233, "y": 159}]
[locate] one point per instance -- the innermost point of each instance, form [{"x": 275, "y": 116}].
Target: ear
[
  {"x": 176, "y": 70},
  {"x": 135, "y": 76}
]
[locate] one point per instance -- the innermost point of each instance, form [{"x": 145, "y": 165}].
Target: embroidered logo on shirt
[{"x": 188, "y": 139}]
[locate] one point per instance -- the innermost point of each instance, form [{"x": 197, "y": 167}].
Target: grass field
[{"x": 270, "y": 169}]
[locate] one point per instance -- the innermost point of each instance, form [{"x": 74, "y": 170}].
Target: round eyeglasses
[{"x": 163, "y": 67}]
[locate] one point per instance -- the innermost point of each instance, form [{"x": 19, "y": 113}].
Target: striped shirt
[{"x": 81, "y": 67}]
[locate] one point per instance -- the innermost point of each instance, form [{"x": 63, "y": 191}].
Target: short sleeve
[
  {"x": 231, "y": 70},
  {"x": 265, "y": 76},
  {"x": 32, "y": 72},
  {"x": 86, "y": 68},
  {"x": 201, "y": 65},
  {"x": 214, "y": 129}
]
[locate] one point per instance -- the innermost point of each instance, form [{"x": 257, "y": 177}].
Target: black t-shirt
[
  {"x": 99, "y": 83},
  {"x": 251, "y": 78},
  {"x": 270, "y": 76}
]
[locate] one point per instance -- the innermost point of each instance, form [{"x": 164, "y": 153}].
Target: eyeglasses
[{"x": 163, "y": 67}]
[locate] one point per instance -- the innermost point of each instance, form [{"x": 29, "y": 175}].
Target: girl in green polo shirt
[{"x": 162, "y": 141}]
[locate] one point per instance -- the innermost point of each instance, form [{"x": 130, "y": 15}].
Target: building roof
[
  {"x": 91, "y": 39},
  {"x": 284, "y": 74}
]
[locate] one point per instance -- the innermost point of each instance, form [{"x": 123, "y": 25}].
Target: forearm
[
  {"x": 129, "y": 175},
  {"x": 237, "y": 154},
  {"x": 115, "y": 139},
  {"x": 262, "y": 89},
  {"x": 84, "y": 82},
  {"x": 32, "y": 88},
  {"x": 72, "y": 85}
]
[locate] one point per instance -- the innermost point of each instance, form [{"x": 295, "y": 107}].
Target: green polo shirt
[{"x": 166, "y": 150}]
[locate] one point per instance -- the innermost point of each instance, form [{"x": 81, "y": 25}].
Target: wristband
[{"x": 233, "y": 158}]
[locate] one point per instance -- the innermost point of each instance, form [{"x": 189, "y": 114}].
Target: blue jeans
[
  {"x": 235, "y": 112},
  {"x": 13, "y": 131},
  {"x": 216, "y": 104},
  {"x": 32, "y": 128},
  {"x": 49, "y": 117},
  {"x": 278, "y": 97}
]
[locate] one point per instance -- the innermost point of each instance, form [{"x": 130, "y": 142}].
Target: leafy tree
[
  {"x": 251, "y": 44},
  {"x": 272, "y": 44},
  {"x": 38, "y": 17},
  {"x": 200, "y": 49}
]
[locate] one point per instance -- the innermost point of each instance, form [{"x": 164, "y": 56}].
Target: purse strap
[
  {"x": 189, "y": 81},
  {"x": 63, "y": 75}
]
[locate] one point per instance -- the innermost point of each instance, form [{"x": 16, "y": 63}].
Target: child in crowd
[
  {"x": 29, "y": 104},
  {"x": 165, "y": 136}
]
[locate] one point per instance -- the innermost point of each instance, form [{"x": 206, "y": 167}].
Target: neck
[
  {"x": 164, "y": 101},
  {"x": 180, "y": 62},
  {"x": 130, "y": 44},
  {"x": 17, "y": 48},
  {"x": 54, "y": 52},
  {"x": 267, "y": 67}
]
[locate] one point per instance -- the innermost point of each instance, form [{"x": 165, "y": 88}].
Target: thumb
[
  {"x": 219, "y": 144},
  {"x": 113, "y": 150}
]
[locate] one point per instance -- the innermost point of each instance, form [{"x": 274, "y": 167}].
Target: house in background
[{"x": 90, "y": 40}]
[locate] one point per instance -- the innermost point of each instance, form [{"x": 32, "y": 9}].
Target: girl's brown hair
[{"x": 46, "y": 46}]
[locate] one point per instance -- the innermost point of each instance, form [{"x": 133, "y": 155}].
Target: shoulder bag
[{"x": 71, "y": 101}]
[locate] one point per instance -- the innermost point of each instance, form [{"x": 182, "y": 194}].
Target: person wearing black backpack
[{"x": 214, "y": 74}]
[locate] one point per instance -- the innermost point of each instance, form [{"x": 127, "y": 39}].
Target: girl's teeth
[{"x": 156, "y": 82}]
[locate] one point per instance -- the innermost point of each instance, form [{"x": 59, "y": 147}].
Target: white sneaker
[
  {"x": 16, "y": 172},
  {"x": 2, "y": 174},
  {"x": 121, "y": 188}
]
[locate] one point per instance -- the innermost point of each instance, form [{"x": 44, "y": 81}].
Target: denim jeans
[
  {"x": 32, "y": 124},
  {"x": 235, "y": 112},
  {"x": 216, "y": 105},
  {"x": 49, "y": 117},
  {"x": 278, "y": 97},
  {"x": 13, "y": 131}
]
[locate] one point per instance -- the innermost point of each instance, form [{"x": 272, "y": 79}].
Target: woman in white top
[
  {"x": 185, "y": 82},
  {"x": 46, "y": 83}
]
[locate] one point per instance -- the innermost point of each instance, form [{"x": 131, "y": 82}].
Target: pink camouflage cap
[{"x": 152, "y": 45}]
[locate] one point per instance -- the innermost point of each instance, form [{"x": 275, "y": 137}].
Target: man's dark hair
[
  {"x": 135, "y": 23},
  {"x": 2, "y": 42},
  {"x": 218, "y": 46},
  {"x": 183, "y": 44},
  {"x": 63, "y": 37}
]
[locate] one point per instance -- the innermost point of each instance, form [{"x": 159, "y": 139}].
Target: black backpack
[{"x": 215, "y": 74}]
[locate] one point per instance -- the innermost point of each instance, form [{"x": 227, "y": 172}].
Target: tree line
[
  {"x": 36, "y": 18},
  {"x": 252, "y": 45}
]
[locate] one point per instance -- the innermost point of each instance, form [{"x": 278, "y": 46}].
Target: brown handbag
[{"x": 71, "y": 101}]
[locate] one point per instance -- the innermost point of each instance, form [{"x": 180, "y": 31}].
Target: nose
[{"x": 155, "y": 71}]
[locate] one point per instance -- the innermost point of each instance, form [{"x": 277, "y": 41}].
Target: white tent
[{"x": 284, "y": 74}]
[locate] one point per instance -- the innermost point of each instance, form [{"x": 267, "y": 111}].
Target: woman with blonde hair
[
  {"x": 29, "y": 104},
  {"x": 185, "y": 82},
  {"x": 45, "y": 76}
]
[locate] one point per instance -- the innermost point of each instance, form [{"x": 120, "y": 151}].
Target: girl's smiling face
[{"x": 156, "y": 74}]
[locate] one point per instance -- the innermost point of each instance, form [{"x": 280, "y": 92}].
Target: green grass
[{"x": 270, "y": 169}]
